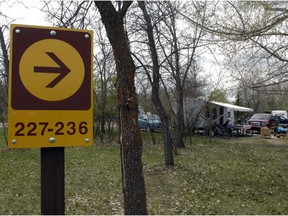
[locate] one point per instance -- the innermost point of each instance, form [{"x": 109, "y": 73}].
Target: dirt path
[
  {"x": 256, "y": 138},
  {"x": 277, "y": 141}
]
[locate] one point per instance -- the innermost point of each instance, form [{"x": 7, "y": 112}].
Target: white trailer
[{"x": 200, "y": 114}]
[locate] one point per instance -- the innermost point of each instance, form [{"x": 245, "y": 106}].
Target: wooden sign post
[{"x": 52, "y": 181}]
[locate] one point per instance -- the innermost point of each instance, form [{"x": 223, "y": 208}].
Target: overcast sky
[{"x": 30, "y": 14}]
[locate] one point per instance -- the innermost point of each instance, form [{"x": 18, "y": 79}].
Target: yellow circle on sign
[{"x": 51, "y": 70}]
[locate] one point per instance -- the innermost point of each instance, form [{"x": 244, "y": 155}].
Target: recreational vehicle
[{"x": 200, "y": 114}]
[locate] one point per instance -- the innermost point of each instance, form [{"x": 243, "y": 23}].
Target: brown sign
[{"x": 51, "y": 69}]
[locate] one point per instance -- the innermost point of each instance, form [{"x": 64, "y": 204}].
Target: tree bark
[{"x": 133, "y": 184}]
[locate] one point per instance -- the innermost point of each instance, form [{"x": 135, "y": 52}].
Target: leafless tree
[
  {"x": 73, "y": 14},
  {"x": 155, "y": 83},
  {"x": 252, "y": 36},
  {"x": 4, "y": 68},
  {"x": 104, "y": 78},
  {"x": 180, "y": 48}
]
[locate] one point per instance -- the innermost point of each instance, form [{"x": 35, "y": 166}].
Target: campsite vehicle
[
  {"x": 281, "y": 116},
  {"x": 150, "y": 122},
  {"x": 283, "y": 122},
  {"x": 200, "y": 114},
  {"x": 280, "y": 113},
  {"x": 259, "y": 120}
]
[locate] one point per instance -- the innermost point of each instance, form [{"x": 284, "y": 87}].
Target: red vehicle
[{"x": 259, "y": 120}]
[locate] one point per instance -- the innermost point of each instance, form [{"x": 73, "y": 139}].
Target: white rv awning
[{"x": 234, "y": 107}]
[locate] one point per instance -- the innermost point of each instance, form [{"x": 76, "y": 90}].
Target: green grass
[{"x": 239, "y": 176}]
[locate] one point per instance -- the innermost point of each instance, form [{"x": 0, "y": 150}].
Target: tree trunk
[
  {"x": 168, "y": 142},
  {"x": 179, "y": 87},
  {"x": 5, "y": 58},
  {"x": 4, "y": 96},
  {"x": 130, "y": 139},
  {"x": 180, "y": 116}
]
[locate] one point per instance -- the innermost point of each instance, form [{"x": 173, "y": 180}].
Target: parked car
[
  {"x": 279, "y": 113},
  {"x": 259, "y": 120},
  {"x": 149, "y": 123},
  {"x": 283, "y": 122}
]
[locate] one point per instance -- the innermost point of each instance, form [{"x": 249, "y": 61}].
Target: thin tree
[
  {"x": 105, "y": 111},
  {"x": 155, "y": 81},
  {"x": 180, "y": 47},
  {"x": 4, "y": 68}
]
